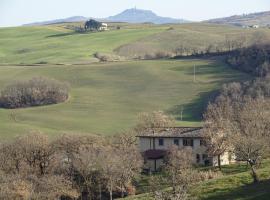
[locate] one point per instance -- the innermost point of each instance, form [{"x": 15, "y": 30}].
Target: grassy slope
[
  {"x": 197, "y": 36},
  {"x": 56, "y": 44},
  {"x": 106, "y": 98},
  {"x": 235, "y": 184}
]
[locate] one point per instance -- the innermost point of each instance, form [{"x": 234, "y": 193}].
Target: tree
[
  {"x": 35, "y": 92},
  {"x": 125, "y": 146},
  {"x": 92, "y": 25},
  {"x": 156, "y": 119},
  {"x": 217, "y": 127},
  {"x": 52, "y": 187},
  {"x": 38, "y": 153},
  {"x": 111, "y": 169},
  {"x": 178, "y": 166},
  {"x": 251, "y": 133},
  {"x": 88, "y": 170}
]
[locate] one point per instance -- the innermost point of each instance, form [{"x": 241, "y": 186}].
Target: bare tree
[
  {"x": 38, "y": 153},
  {"x": 217, "y": 127},
  {"x": 125, "y": 145},
  {"x": 88, "y": 171},
  {"x": 251, "y": 133},
  {"x": 155, "y": 119},
  {"x": 179, "y": 166},
  {"x": 111, "y": 169}
]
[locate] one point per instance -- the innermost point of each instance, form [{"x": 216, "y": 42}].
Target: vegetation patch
[{"x": 35, "y": 92}]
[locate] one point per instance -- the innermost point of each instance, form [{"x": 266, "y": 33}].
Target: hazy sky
[{"x": 17, "y": 12}]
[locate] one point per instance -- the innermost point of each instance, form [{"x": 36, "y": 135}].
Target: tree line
[
  {"x": 239, "y": 121},
  {"x": 254, "y": 60},
  {"x": 35, "y": 92},
  {"x": 69, "y": 167}
]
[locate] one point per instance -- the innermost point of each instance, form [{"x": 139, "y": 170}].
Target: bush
[
  {"x": 35, "y": 92},
  {"x": 103, "y": 57}
]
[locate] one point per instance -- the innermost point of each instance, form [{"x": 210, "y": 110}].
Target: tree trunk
[
  {"x": 254, "y": 174},
  {"x": 100, "y": 194},
  {"x": 122, "y": 192},
  {"x": 219, "y": 162},
  {"x": 111, "y": 195}
]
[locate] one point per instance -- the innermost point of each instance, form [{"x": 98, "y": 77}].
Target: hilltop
[
  {"x": 58, "y": 21},
  {"x": 260, "y": 18},
  {"x": 143, "y": 16},
  {"x": 130, "y": 15}
]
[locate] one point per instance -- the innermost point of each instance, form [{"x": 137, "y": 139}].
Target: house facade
[
  {"x": 104, "y": 27},
  {"x": 154, "y": 144}
]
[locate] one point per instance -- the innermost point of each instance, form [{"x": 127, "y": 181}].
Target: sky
[{"x": 18, "y": 12}]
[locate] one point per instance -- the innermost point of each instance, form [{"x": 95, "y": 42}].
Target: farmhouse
[
  {"x": 104, "y": 27},
  {"x": 155, "y": 142}
]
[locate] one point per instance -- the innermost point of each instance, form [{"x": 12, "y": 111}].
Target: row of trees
[
  {"x": 69, "y": 167},
  {"x": 254, "y": 59},
  {"x": 35, "y": 92},
  {"x": 239, "y": 121},
  {"x": 229, "y": 44}
]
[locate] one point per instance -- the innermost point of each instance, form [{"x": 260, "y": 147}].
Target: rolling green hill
[
  {"x": 195, "y": 36},
  {"x": 59, "y": 43},
  {"x": 107, "y": 97}
]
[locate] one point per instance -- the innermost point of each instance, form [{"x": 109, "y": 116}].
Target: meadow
[
  {"x": 235, "y": 183},
  {"x": 106, "y": 97}
]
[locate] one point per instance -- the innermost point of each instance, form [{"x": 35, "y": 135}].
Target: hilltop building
[
  {"x": 104, "y": 27},
  {"x": 155, "y": 142}
]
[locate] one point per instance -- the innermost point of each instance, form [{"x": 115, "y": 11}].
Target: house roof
[{"x": 172, "y": 132}]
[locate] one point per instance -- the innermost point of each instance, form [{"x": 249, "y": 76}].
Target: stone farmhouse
[
  {"x": 155, "y": 142},
  {"x": 104, "y": 27}
]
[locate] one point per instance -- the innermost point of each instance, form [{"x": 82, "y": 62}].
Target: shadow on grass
[
  {"x": 259, "y": 191},
  {"x": 63, "y": 34},
  {"x": 194, "y": 110}
]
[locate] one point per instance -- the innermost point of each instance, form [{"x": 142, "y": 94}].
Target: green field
[
  {"x": 107, "y": 97},
  {"x": 58, "y": 44},
  {"x": 234, "y": 184}
]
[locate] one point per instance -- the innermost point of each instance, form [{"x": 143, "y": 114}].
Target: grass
[
  {"x": 106, "y": 98},
  {"x": 192, "y": 36},
  {"x": 235, "y": 184},
  {"x": 57, "y": 44}
]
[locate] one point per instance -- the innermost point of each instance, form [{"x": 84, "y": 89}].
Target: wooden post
[{"x": 194, "y": 73}]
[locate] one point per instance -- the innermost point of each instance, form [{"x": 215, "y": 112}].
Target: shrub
[
  {"x": 35, "y": 92},
  {"x": 103, "y": 57}
]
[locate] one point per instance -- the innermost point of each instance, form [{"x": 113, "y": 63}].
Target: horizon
[{"x": 37, "y": 10}]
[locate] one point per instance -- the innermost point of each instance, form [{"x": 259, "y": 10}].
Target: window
[
  {"x": 198, "y": 158},
  {"x": 202, "y": 143},
  {"x": 205, "y": 156},
  {"x": 176, "y": 142},
  {"x": 188, "y": 142},
  {"x": 160, "y": 142}
]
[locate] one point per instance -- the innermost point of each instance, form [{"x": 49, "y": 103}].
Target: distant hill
[
  {"x": 57, "y": 21},
  {"x": 260, "y": 18},
  {"x": 143, "y": 16},
  {"x": 130, "y": 15}
]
